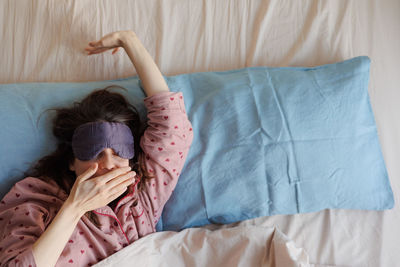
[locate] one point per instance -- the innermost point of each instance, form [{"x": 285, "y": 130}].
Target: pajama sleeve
[
  {"x": 24, "y": 215},
  {"x": 166, "y": 143}
]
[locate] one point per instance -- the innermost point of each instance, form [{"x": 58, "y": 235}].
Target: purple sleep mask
[{"x": 92, "y": 138}]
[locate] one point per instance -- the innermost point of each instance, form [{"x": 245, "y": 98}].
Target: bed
[{"x": 44, "y": 41}]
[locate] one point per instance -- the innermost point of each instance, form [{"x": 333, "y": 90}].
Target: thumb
[{"x": 89, "y": 172}]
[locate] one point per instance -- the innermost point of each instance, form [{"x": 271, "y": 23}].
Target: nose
[{"x": 106, "y": 161}]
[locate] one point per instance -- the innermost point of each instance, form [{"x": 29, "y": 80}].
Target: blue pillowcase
[
  {"x": 266, "y": 140},
  {"x": 278, "y": 141}
]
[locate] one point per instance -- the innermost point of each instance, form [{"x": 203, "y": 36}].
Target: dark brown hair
[{"x": 100, "y": 105}]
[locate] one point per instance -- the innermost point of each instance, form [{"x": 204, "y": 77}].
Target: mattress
[{"x": 43, "y": 41}]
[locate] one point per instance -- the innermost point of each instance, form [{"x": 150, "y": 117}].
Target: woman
[{"x": 106, "y": 184}]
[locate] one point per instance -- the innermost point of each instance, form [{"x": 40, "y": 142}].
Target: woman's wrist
[
  {"x": 72, "y": 209},
  {"x": 126, "y": 37}
]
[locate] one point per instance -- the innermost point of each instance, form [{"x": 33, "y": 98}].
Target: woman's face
[{"x": 107, "y": 161}]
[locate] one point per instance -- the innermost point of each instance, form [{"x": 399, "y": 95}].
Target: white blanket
[{"x": 237, "y": 246}]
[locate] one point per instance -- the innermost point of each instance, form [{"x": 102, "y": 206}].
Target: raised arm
[
  {"x": 149, "y": 74},
  {"x": 151, "y": 77}
]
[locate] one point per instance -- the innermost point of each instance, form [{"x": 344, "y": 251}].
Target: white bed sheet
[
  {"x": 43, "y": 41},
  {"x": 236, "y": 246}
]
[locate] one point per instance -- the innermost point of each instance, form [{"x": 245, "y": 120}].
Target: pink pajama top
[{"x": 31, "y": 205}]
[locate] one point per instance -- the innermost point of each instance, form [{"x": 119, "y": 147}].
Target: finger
[
  {"x": 95, "y": 44},
  {"x": 88, "y": 173},
  {"x": 129, "y": 177},
  {"x": 115, "y": 195},
  {"x": 98, "y": 51},
  {"x": 87, "y": 48},
  {"x": 115, "y": 50},
  {"x": 122, "y": 186},
  {"x": 92, "y": 48},
  {"x": 102, "y": 49},
  {"x": 112, "y": 174}
]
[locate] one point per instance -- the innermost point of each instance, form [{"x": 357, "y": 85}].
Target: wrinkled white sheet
[
  {"x": 44, "y": 41},
  {"x": 238, "y": 246}
]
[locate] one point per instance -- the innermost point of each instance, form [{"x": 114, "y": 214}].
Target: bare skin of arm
[{"x": 151, "y": 77}]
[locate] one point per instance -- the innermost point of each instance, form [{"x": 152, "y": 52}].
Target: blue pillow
[{"x": 266, "y": 140}]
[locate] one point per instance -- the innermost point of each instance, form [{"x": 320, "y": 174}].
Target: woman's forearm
[
  {"x": 151, "y": 77},
  {"x": 48, "y": 248}
]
